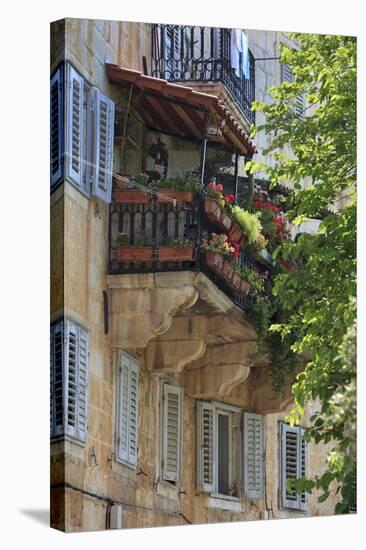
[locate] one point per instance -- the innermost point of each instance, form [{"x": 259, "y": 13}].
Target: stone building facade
[{"x": 161, "y": 414}]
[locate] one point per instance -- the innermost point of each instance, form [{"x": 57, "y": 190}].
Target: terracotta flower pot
[
  {"x": 236, "y": 281},
  {"x": 214, "y": 260},
  {"x": 235, "y": 232},
  {"x": 227, "y": 271},
  {"x": 225, "y": 221},
  {"x": 212, "y": 210},
  {"x": 131, "y": 196},
  {"x": 244, "y": 286},
  {"x": 167, "y": 195},
  {"x": 134, "y": 253},
  {"x": 175, "y": 253}
]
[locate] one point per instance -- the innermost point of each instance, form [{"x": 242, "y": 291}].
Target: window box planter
[
  {"x": 167, "y": 195},
  {"x": 225, "y": 221},
  {"x": 236, "y": 281},
  {"x": 227, "y": 271},
  {"x": 214, "y": 260},
  {"x": 130, "y": 196},
  {"x": 175, "y": 253},
  {"x": 134, "y": 253},
  {"x": 236, "y": 233},
  {"x": 217, "y": 215},
  {"x": 244, "y": 287},
  {"x": 212, "y": 210}
]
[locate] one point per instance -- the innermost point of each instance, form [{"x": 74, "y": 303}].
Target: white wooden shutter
[
  {"x": 172, "y": 421},
  {"x": 57, "y": 361},
  {"x": 293, "y": 464},
  {"x": 206, "y": 452},
  {"x": 56, "y": 127},
  {"x": 74, "y": 126},
  {"x": 103, "y": 146},
  {"x": 253, "y": 455},
  {"x": 127, "y": 409}
]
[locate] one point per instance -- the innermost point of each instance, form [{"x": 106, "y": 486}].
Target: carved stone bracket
[{"x": 139, "y": 312}]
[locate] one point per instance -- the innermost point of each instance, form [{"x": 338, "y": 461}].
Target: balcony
[
  {"x": 197, "y": 55},
  {"x": 163, "y": 232}
]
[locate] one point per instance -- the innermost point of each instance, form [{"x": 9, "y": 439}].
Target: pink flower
[{"x": 219, "y": 187}]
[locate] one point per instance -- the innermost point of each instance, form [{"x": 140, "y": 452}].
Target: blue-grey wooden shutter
[
  {"x": 56, "y": 127},
  {"x": 172, "y": 422},
  {"x": 293, "y": 465},
  {"x": 82, "y": 385},
  {"x": 127, "y": 409},
  {"x": 122, "y": 423},
  {"x": 302, "y": 467},
  {"x": 103, "y": 146},
  {"x": 56, "y": 380},
  {"x": 206, "y": 452},
  {"x": 74, "y": 126},
  {"x": 133, "y": 413},
  {"x": 69, "y": 380},
  {"x": 298, "y": 102},
  {"x": 253, "y": 455}
]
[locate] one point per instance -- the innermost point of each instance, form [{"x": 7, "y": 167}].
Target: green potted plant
[
  {"x": 180, "y": 186},
  {"x": 133, "y": 195},
  {"x": 177, "y": 250},
  {"x": 138, "y": 252}
]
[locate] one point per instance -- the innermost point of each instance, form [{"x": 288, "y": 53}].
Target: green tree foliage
[{"x": 318, "y": 296}]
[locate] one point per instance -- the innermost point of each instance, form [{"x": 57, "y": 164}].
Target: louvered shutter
[
  {"x": 302, "y": 467},
  {"x": 75, "y": 381},
  {"x": 57, "y": 362},
  {"x": 293, "y": 465},
  {"x": 288, "y": 76},
  {"x": 206, "y": 452},
  {"x": 172, "y": 412},
  {"x": 82, "y": 385},
  {"x": 74, "y": 131},
  {"x": 253, "y": 455},
  {"x": 127, "y": 409},
  {"x": 103, "y": 146},
  {"x": 286, "y": 73},
  {"x": 56, "y": 127},
  {"x": 133, "y": 404},
  {"x": 123, "y": 384}
]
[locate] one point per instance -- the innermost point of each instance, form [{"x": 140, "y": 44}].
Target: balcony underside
[{"x": 180, "y": 324}]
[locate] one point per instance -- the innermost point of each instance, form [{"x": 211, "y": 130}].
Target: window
[
  {"x": 293, "y": 465},
  {"x": 69, "y": 380},
  {"x": 299, "y": 101},
  {"x": 170, "y": 434},
  {"x": 89, "y": 118},
  {"x": 127, "y": 409},
  {"x": 229, "y": 450}
]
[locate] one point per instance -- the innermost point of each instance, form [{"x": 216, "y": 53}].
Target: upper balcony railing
[
  {"x": 184, "y": 53},
  {"x": 166, "y": 235}
]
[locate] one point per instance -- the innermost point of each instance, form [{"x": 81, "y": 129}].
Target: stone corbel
[
  {"x": 173, "y": 356},
  {"x": 220, "y": 370},
  {"x": 139, "y": 314},
  {"x": 215, "y": 381}
]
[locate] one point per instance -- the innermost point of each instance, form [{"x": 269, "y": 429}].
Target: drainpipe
[{"x": 236, "y": 179}]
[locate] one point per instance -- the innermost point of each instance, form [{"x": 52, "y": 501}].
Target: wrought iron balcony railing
[
  {"x": 183, "y": 53},
  {"x": 149, "y": 226}
]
